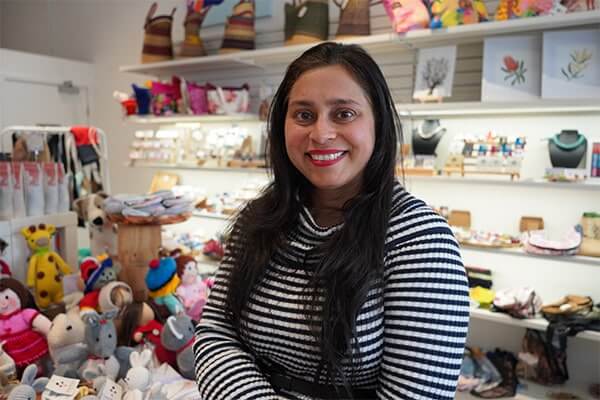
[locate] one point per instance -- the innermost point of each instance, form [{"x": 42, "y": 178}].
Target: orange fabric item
[{"x": 84, "y": 135}]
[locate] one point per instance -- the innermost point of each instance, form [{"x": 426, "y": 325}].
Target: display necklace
[
  {"x": 568, "y": 146},
  {"x": 426, "y": 136}
]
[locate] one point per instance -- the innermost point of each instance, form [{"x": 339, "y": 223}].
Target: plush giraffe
[{"x": 46, "y": 267}]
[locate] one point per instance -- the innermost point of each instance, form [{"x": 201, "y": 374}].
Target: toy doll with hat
[
  {"x": 102, "y": 291},
  {"x": 22, "y": 329},
  {"x": 162, "y": 282}
]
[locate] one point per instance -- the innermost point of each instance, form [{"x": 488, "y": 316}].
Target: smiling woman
[{"x": 336, "y": 283}]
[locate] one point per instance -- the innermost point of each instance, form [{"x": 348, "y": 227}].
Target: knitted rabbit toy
[
  {"x": 7, "y": 364},
  {"x": 178, "y": 336},
  {"x": 29, "y": 386},
  {"x": 66, "y": 341},
  {"x": 138, "y": 379}
]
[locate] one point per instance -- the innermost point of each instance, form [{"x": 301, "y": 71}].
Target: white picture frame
[
  {"x": 512, "y": 68},
  {"x": 435, "y": 72},
  {"x": 571, "y": 64}
]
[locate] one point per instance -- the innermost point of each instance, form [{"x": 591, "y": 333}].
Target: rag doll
[
  {"x": 192, "y": 291},
  {"x": 162, "y": 281},
  {"x": 23, "y": 330},
  {"x": 46, "y": 268},
  {"x": 103, "y": 292}
]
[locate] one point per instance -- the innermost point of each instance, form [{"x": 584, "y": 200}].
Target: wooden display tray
[
  {"x": 455, "y": 170},
  {"x": 489, "y": 246},
  {"x": 155, "y": 220}
]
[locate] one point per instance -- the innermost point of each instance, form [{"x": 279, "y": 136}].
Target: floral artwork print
[
  {"x": 579, "y": 62},
  {"x": 435, "y": 72},
  {"x": 514, "y": 69}
]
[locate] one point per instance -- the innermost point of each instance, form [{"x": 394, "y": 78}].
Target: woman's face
[{"x": 329, "y": 128}]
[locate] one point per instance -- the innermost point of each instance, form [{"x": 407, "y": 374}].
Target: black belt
[{"x": 285, "y": 382}]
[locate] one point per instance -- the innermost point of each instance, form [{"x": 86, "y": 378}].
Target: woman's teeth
[{"x": 326, "y": 157}]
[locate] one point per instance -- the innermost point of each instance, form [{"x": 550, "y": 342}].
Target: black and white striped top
[{"x": 411, "y": 330}]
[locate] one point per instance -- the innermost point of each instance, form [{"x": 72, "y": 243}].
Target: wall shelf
[
  {"x": 473, "y": 108},
  {"x": 519, "y": 252},
  {"x": 593, "y": 185},
  {"x": 205, "y": 214},
  {"x": 533, "y": 391},
  {"x": 382, "y": 43},
  {"x": 185, "y": 119},
  {"x": 195, "y": 167}
]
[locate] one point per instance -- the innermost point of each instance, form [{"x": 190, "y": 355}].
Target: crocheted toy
[
  {"x": 139, "y": 324},
  {"x": 46, "y": 267},
  {"x": 407, "y": 15},
  {"x": 192, "y": 291},
  {"x": 178, "y": 336},
  {"x": 4, "y": 267},
  {"x": 21, "y": 327},
  {"x": 7, "y": 364},
  {"x": 102, "y": 290},
  {"x": 447, "y": 13},
  {"x": 103, "y": 233},
  {"x": 138, "y": 379},
  {"x": 29, "y": 386},
  {"x": 66, "y": 341},
  {"x": 105, "y": 359},
  {"x": 162, "y": 281}
]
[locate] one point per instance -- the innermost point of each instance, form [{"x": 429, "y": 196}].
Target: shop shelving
[
  {"x": 532, "y": 391},
  {"x": 185, "y": 119},
  {"x": 206, "y": 214},
  {"x": 592, "y": 185},
  {"x": 381, "y": 43},
  {"x": 157, "y": 165},
  {"x": 519, "y": 252}
]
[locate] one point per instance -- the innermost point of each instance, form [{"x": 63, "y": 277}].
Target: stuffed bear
[
  {"x": 66, "y": 341},
  {"x": 103, "y": 233},
  {"x": 46, "y": 267}
]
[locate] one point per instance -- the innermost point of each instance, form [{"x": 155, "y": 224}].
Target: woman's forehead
[{"x": 331, "y": 85}]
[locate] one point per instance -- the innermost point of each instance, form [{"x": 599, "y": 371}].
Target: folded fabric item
[
  {"x": 132, "y": 212},
  {"x": 142, "y": 201},
  {"x": 569, "y": 305},
  {"x": 536, "y": 242},
  {"x": 519, "y": 303},
  {"x": 479, "y": 277},
  {"x": 176, "y": 201},
  {"x": 113, "y": 205},
  {"x": 178, "y": 209},
  {"x": 483, "y": 296},
  {"x": 164, "y": 194}
]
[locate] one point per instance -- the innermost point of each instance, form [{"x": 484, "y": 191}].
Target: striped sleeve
[
  {"x": 224, "y": 370},
  {"x": 426, "y": 308}
]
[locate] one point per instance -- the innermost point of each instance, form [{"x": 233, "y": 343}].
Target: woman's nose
[{"x": 323, "y": 131}]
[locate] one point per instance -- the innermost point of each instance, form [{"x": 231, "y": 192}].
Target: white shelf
[
  {"x": 195, "y": 167},
  {"x": 539, "y": 324},
  {"x": 189, "y": 119},
  {"x": 381, "y": 43},
  {"x": 63, "y": 219},
  {"x": 205, "y": 214},
  {"x": 593, "y": 185},
  {"x": 519, "y": 252},
  {"x": 473, "y": 108},
  {"x": 528, "y": 390}
]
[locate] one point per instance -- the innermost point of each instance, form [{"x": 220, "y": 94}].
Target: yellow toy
[{"x": 46, "y": 267}]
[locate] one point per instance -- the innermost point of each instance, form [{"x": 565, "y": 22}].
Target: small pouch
[
  {"x": 569, "y": 305},
  {"x": 228, "y": 100}
]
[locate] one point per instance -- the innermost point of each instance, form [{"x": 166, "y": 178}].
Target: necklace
[
  {"x": 429, "y": 135},
  {"x": 568, "y": 146}
]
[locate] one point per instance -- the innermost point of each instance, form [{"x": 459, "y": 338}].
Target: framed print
[
  {"x": 571, "y": 64},
  {"x": 512, "y": 68},
  {"x": 435, "y": 72}
]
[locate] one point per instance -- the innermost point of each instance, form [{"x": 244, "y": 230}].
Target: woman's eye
[
  {"x": 345, "y": 115},
  {"x": 303, "y": 116}
]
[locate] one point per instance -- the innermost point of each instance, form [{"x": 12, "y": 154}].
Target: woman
[{"x": 337, "y": 283}]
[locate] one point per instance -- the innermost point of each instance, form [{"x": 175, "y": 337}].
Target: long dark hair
[{"x": 353, "y": 256}]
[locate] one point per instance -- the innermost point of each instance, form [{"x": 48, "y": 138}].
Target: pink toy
[
  {"x": 23, "y": 330},
  {"x": 192, "y": 291},
  {"x": 407, "y": 15}
]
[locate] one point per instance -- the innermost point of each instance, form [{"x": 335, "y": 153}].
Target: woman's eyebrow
[{"x": 331, "y": 102}]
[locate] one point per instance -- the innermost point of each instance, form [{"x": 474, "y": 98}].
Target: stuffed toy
[
  {"x": 446, "y": 13},
  {"x": 140, "y": 323},
  {"x": 23, "y": 329},
  {"x": 4, "y": 267},
  {"x": 29, "y": 386},
  {"x": 162, "y": 281},
  {"x": 103, "y": 233},
  {"x": 66, "y": 341},
  {"x": 407, "y": 15},
  {"x": 7, "y": 365},
  {"x": 192, "y": 291},
  {"x": 138, "y": 380},
  {"x": 46, "y": 267},
  {"x": 102, "y": 291},
  {"x": 104, "y": 359},
  {"x": 178, "y": 336}
]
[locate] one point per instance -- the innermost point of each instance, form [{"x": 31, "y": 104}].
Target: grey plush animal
[
  {"x": 178, "y": 336},
  {"x": 101, "y": 340},
  {"x": 29, "y": 386},
  {"x": 66, "y": 342}
]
